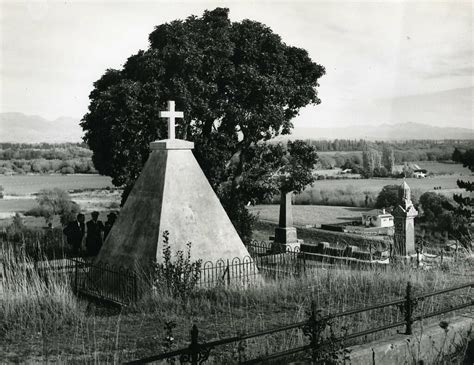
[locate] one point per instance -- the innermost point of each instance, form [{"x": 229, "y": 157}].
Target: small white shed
[{"x": 377, "y": 218}]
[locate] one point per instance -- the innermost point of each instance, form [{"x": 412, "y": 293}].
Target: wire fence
[{"x": 326, "y": 336}]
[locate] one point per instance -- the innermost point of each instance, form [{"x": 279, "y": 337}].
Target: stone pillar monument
[
  {"x": 285, "y": 233},
  {"x": 404, "y": 219}
]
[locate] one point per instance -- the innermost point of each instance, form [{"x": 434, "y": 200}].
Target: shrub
[
  {"x": 434, "y": 205},
  {"x": 388, "y": 197},
  {"x": 67, "y": 170},
  {"x": 180, "y": 276},
  {"x": 53, "y": 202},
  {"x": 381, "y": 172}
]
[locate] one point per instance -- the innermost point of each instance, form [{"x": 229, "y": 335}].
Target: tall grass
[
  {"x": 225, "y": 311},
  {"x": 28, "y": 305},
  {"x": 30, "y": 301}
]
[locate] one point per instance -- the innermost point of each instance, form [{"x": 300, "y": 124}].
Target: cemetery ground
[
  {"x": 42, "y": 322},
  {"x": 49, "y": 323}
]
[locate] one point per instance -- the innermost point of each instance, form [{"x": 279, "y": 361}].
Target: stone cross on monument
[
  {"x": 171, "y": 194},
  {"x": 171, "y": 114}
]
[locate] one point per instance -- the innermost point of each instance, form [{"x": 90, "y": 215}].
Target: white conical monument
[{"x": 171, "y": 194}]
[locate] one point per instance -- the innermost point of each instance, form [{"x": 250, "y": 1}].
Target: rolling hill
[
  {"x": 385, "y": 131},
  {"x": 22, "y": 128}
]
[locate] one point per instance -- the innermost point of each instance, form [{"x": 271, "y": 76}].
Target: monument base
[
  {"x": 286, "y": 235},
  {"x": 286, "y": 238}
]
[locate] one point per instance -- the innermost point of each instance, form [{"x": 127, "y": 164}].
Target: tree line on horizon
[
  {"x": 45, "y": 158},
  {"x": 70, "y": 158}
]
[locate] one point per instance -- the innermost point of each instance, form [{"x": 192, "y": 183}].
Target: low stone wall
[
  {"x": 324, "y": 248},
  {"x": 429, "y": 344},
  {"x": 316, "y": 235},
  {"x": 320, "y": 235}
]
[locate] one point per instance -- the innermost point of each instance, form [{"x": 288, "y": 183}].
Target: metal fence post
[
  {"x": 313, "y": 329},
  {"x": 75, "y": 276},
  {"x": 194, "y": 346},
  {"x": 228, "y": 273},
  {"x": 409, "y": 307}
]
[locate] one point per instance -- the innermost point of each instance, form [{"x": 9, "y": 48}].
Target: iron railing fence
[
  {"x": 226, "y": 272},
  {"x": 318, "y": 329},
  {"x": 122, "y": 285},
  {"x": 106, "y": 282}
]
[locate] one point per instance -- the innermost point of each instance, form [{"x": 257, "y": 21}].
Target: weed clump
[{"x": 178, "y": 276}]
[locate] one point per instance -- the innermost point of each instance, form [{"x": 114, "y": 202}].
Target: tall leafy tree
[
  {"x": 371, "y": 160},
  {"x": 388, "y": 158},
  {"x": 237, "y": 83},
  {"x": 463, "y": 213}
]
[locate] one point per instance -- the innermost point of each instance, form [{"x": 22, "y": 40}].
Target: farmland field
[
  {"x": 363, "y": 192},
  {"x": 442, "y": 168},
  {"x": 30, "y": 184},
  {"x": 309, "y": 214},
  {"x": 426, "y": 184},
  {"x": 9, "y": 206}
]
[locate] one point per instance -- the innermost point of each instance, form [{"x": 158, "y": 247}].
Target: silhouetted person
[
  {"x": 74, "y": 233},
  {"x": 94, "y": 235},
  {"x": 111, "y": 217}
]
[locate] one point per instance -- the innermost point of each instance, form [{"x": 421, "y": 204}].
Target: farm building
[
  {"x": 419, "y": 174},
  {"x": 377, "y": 218}
]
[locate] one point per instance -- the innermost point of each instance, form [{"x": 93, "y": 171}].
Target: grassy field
[
  {"x": 376, "y": 184},
  {"x": 30, "y": 184},
  {"x": 309, "y": 214},
  {"x": 351, "y": 192},
  {"x": 443, "y": 168},
  {"x": 15, "y": 205}
]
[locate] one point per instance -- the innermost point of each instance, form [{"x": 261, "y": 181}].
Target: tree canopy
[
  {"x": 238, "y": 84},
  {"x": 463, "y": 213}
]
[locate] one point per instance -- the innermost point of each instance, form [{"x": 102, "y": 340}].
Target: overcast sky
[{"x": 386, "y": 62}]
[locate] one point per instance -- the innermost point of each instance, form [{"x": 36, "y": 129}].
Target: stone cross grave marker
[
  {"x": 171, "y": 194},
  {"x": 171, "y": 114}
]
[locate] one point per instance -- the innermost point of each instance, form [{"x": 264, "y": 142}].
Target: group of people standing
[{"x": 94, "y": 231}]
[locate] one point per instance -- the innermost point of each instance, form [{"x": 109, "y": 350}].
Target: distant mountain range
[
  {"x": 402, "y": 131},
  {"x": 21, "y": 128}
]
